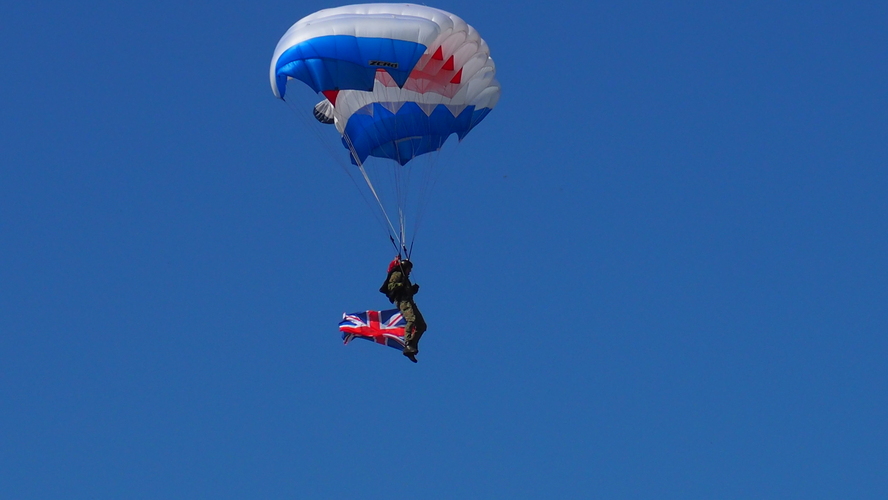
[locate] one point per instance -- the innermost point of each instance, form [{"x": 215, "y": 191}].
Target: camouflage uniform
[{"x": 400, "y": 291}]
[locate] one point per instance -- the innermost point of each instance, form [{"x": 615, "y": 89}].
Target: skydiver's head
[{"x": 406, "y": 265}]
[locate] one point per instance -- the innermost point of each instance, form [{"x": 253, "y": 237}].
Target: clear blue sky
[{"x": 656, "y": 270}]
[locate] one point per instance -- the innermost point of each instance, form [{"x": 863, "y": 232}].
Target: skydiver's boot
[
  {"x": 412, "y": 346},
  {"x": 410, "y": 349}
]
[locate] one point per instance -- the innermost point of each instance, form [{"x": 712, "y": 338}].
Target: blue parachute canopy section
[
  {"x": 408, "y": 133},
  {"x": 342, "y": 62}
]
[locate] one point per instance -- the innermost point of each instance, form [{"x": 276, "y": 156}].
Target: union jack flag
[{"x": 381, "y": 327}]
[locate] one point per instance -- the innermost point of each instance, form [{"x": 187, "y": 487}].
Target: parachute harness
[{"x": 378, "y": 201}]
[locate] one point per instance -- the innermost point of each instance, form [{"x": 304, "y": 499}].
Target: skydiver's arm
[{"x": 395, "y": 284}]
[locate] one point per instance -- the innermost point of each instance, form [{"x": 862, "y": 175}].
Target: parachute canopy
[{"x": 399, "y": 78}]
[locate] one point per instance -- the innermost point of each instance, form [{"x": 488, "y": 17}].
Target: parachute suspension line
[
  {"x": 375, "y": 195},
  {"x": 372, "y": 188},
  {"x": 397, "y": 177},
  {"x": 404, "y": 237},
  {"x": 426, "y": 181},
  {"x": 401, "y": 226},
  {"x": 428, "y": 178},
  {"x": 392, "y": 239},
  {"x": 402, "y": 250},
  {"x": 310, "y": 123}
]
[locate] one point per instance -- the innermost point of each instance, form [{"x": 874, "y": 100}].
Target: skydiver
[{"x": 400, "y": 291}]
